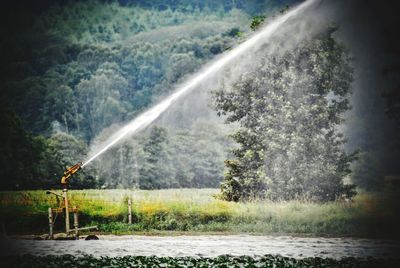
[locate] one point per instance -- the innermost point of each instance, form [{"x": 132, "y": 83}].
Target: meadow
[{"x": 199, "y": 211}]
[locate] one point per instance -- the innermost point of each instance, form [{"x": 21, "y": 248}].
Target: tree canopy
[
  {"x": 75, "y": 68},
  {"x": 289, "y": 110}
]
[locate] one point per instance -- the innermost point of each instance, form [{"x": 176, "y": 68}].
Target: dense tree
[
  {"x": 165, "y": 157},
  {"x": 62, "y": 109},
  {"x": 367, "y": 172},
  {"x": 54, "y": 155},
  {"x": 74, "y": 68},
  {"x": 18, "y": 153},
  {"x": 99, "y": 100},
  {"x": 199, "y": 155},
  {"x": 289, "y": 109},
  {"x": 122, "y": 169},
  {"x": 157, "y": 171}
]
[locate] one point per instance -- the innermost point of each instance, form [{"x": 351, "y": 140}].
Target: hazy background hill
[
  {"x": 75, "y": 68},
  {"x": 73, "y": 71}
]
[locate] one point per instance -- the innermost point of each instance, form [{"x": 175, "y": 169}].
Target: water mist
[{"x": 153, "y": 113}]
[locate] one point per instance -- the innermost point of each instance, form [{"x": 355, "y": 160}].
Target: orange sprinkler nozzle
[{"x": 69, "y": 172}]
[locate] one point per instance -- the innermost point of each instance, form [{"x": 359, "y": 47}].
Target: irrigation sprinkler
[
  {"x": 64, "y": 182},
  {"x": 146, "y": 118},
  {"x": 65, "y": 205},
  {"x": 69, "y": 172}
]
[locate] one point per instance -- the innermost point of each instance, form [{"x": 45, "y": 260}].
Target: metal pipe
[
  {"x": 129, "y": 211},
  {"x": 57, "y": 194},
  {"x": 65, "y": 193},
  {"x": 50, "y": 223},
  {"x": 76, "y": 227},
  {"x": 86, "y": 228}
]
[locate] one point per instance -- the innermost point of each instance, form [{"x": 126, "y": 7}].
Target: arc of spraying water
[{"x": 153, "y": 113}]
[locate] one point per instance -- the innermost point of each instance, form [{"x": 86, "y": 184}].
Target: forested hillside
[{"x": 75, "y": 68}]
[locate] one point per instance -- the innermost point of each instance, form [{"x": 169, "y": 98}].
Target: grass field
[{"x": 196, "y": 210}]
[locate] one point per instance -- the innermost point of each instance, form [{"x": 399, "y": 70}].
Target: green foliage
[
  {"x": 81, "y": 67},
  {"x": 195, "y": 210},
  {"x": 75, "y": 69},
  {"x": 367, "y": 172},
  {"x": 220, "y": 261},
  {"x": 257, "y": 22},
  {"x": 23, "y": 158},
  {"x": 289, "y": 110},
  {"x": 110, "y": 65},
  {"x": 234, "y": 32},
  {"x": 157, "y": 171},
  {"x": 167, "y": 158}
]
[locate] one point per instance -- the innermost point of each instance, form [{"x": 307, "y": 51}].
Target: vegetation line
[{"x": 197, "y": 211}]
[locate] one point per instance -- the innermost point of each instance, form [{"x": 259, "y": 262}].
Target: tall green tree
[
  {"x": 289, "y": 110},
  {"x": 157, "y": 172},
  {"x": 17, "y": 156},
  {"x": 63, "y": 151},
  {"x": 26, "y": 161}
]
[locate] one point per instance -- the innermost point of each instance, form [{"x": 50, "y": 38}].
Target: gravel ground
[{"x": 206, "y": 246}]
